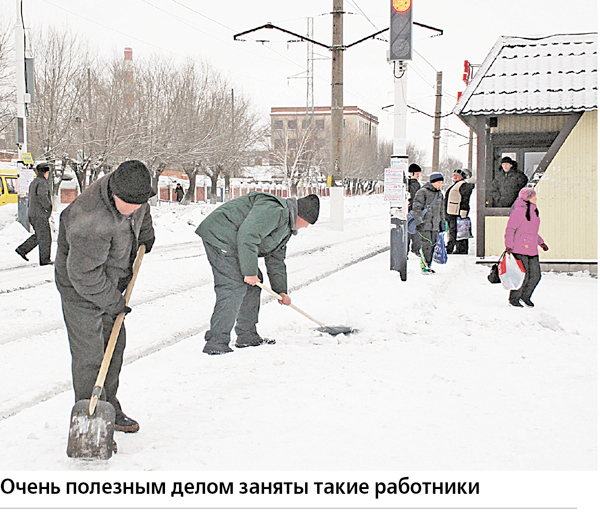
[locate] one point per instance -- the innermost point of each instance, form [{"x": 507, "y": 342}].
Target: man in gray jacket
[
  {"x": 39, "y": 211},
  {"x": 98, "y": 239},
  {"x": 428, "y": 210}
]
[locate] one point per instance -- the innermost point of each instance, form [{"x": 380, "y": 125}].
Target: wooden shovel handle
[
  {"x": 279, "y": 297},
  {"x": 112, "y": 341}
]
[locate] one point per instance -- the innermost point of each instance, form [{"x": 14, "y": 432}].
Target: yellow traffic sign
[{"x": 27, "y": 158}]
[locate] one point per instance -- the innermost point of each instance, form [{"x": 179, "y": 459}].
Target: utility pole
[
  {"x": 336, "y": 177},
  {"x": 435, "y": 162},
  {"x": 336, "y": 181}
]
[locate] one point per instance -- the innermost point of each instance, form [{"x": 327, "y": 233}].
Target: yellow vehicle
[{"x": 8, "y": 187}]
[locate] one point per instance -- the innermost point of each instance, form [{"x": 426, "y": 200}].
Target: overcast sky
[{"x": 204, "y": 29}]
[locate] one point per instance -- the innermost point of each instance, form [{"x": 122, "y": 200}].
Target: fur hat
[
  {"x": 308, "y": 208},
  {"x": 527, "y": 194},
  {"x": 41, "y": 169},
  {"x": 507, "y": 159},
  {"x": 132, "y": 182},
  {"x": 434, "y": 177}
]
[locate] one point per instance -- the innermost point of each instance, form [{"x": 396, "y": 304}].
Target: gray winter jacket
[
  {"x": 40, "y": 203},
  {"x": 97, "y": 246},
  {"x": 427, "y": 195}
]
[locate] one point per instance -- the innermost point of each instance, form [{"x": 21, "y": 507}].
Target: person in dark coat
[
  {"x": 98, "y": 239},
  {"x": 179, "y": 192},
  {"x": 40, "y": 209},
  {"x": 414, "y": 171},
  {"x": 507, "y": 183},
  {"x": 522, "y": 239},
  {"x": 235, "y": 235},
  {"x": 429, "y": 223},
  {"x": 457, "y": 206}
]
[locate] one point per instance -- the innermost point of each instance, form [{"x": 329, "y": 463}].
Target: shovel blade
[
  {"x": 91, "y": 436},
  {"x": 336, "y": 329}
]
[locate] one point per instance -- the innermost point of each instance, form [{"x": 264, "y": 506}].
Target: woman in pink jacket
[{"x": 522, "y": 239}]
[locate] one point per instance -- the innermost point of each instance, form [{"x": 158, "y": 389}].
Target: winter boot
[
  {"x": 214, "y": 348},
  {"x": 528, "y": 303},
  {"x": 255, "y": 343},
  {"x": 515, "y": 303},
  {"x": 125, "y": 424},
  {"x": 21, "y": 253}
]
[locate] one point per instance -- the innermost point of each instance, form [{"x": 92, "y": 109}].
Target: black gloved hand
[
  {"x": 127, "y": 310},
  {"x": 148, "y": 243},
  {"x": 544, "y": 247}
]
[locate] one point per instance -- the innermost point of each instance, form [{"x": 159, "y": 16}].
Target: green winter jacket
[{"x": 252, "y": 226}]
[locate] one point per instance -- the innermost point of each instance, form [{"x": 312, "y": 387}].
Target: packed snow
[{"x": 440, "y": 375}]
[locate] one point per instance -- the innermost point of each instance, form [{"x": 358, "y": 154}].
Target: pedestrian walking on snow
[
  {"x": 522, "y": 239},
  {"x": 179, "y": 193},
  {"x": 39, "y": 211},
  {"x": 235, "y": 235},
  {"x": 428, "y": 212},
  {"x": 98, "y": 239}
]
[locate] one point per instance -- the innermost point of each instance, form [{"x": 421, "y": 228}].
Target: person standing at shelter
[
  {"x": 428, "y": 212},
  {"x": 40, "y": 209},
  {"x": 457, "y": 199},
  {"x": 522, "y": 239},
  {"x": 414, "y": 171},
  {"x": 235, "y": 235},
  {"x": 507, "y": 183},
  {"x": 98, "y": 239}
]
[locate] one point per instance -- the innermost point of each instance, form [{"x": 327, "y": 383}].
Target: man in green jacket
[{"x": 235, "y": 235}]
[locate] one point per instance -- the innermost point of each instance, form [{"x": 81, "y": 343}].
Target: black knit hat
[
  {"x": 414, "y": 168},
  {"x": 308, "y": 208},
  {"x": 132, "y": 182},
  {"x": 507, "y": 159}
]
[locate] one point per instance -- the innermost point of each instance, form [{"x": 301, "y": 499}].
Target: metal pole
[
  {"x": 435, "y": 162},
  {"x": 22, "y": 215},
  {"x": 470, "y": 159},
  {"x": 399, "y": 162},
  {"x": 337, "y": 118}
]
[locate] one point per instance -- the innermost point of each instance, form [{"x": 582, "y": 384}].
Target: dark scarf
[
  {"x": 528, "y": 214},
  {"x": 292, "y": 204}
]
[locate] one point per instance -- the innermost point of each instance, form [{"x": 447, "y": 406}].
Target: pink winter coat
[{"x": 521, "y": 234}]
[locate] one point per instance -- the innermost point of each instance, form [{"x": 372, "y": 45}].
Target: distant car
[{"x": 8, "y": 187}]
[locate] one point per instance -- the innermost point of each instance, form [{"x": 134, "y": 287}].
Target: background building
[{"x": 535, "y": 100}]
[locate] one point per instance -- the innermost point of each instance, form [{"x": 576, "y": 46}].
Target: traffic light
[{"x": 401, "y": 30}]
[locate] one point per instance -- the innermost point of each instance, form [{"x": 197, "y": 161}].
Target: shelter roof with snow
[{"x": 535, "y": 75}]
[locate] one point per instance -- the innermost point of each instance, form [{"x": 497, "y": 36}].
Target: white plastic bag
[{"x": 511, "y": 272}]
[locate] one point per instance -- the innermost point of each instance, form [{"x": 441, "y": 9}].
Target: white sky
[{"x": 204, "y": 30}]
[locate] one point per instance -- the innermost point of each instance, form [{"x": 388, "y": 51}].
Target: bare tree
[
  {"x": 7, "y": 85},
  {"x": 61, "y": 61}
]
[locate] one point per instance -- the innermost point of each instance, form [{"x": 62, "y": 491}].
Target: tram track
[{"x": 133, "y": 355}]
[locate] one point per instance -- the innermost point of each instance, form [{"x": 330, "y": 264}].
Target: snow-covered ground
[{"x": 441, "y": 375}]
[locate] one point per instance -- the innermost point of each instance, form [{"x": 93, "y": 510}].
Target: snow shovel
[
  {"x": 329, "y": 329},
  {"x": 92, "y": 420}
]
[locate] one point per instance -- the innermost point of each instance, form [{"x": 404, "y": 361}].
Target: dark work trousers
[
  {"x": 428, "y": 239},
  {"x": 89, "y": 329},
  {"x": 533, "y": 275},
  {"x": 237, "y": 302},
  {"x": 41, "y": 236},
  {"x": 414, "y": 241},
  {"x": 455, "y": 246}
]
